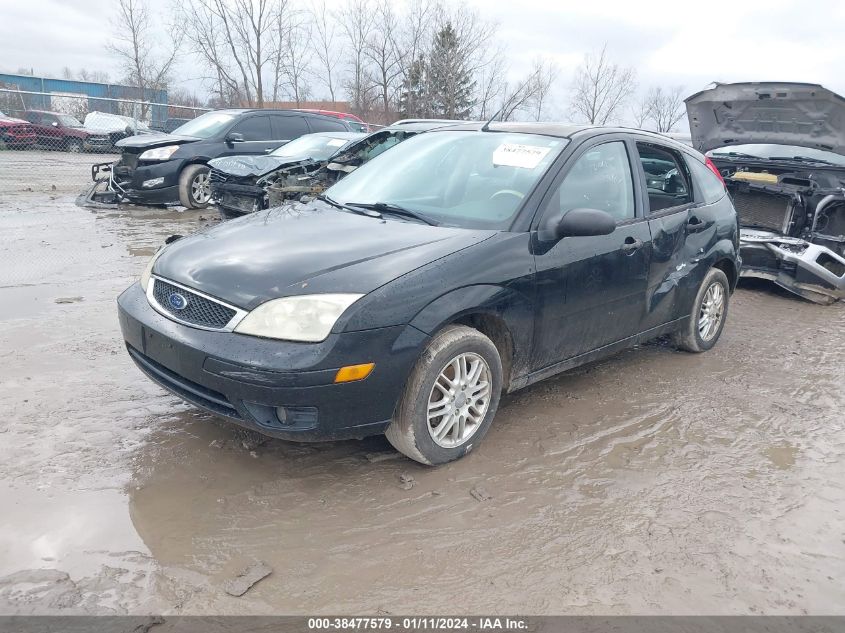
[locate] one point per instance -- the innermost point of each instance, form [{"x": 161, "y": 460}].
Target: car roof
[
  {"x": 420, "y": 125},
  {"x": 345, "y": 135},
  {"x": 563, "y": 130}
]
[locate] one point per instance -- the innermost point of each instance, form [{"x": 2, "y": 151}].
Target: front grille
[
  {"x": 197, "y": 309},
  {"x": 764, "y": 210}
]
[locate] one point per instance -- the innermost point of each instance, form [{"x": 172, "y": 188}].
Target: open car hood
[
  {"x": 779, "y": 113},
  {"x": 147, "y": 141}
]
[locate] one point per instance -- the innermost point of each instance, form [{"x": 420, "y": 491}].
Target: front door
[
  {"x": 591, "y": 290},
  {"x": 257, "y": 137}
]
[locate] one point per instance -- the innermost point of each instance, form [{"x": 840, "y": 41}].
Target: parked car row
[{"x": 173, "y": 168}]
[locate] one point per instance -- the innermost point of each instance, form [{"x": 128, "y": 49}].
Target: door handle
[
  {"x": 694, "y": 225},
  {"x": 631, "y": 245}
]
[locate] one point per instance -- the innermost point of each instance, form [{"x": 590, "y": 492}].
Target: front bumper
[
  {"x": 126, "y": 180},
  {"x": 245, "y": 378},
  {"x": 811, "y": 271}
]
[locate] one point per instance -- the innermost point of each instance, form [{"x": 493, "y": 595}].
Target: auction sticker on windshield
[{"x": 517, "y": 155}]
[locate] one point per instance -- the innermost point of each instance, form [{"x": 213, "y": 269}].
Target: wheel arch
[{"x": 503, "y": 315}]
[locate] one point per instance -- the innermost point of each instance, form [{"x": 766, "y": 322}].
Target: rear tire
[
  {"x": 450, "y": 398},
  {"x": 195, "y": 187},
  {"x": 709, "y": 312}
]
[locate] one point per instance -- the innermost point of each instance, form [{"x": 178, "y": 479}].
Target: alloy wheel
[
  {"x": 712, "y": 311},
  {"x": 201, "y": 188},
  {"x": 459, "y": 400}
]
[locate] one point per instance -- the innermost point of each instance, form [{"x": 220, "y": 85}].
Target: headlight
[
  {"x": 159, "y": 153},
  {"x": 148, "y": 271},
  {"x": 308, "y": 318}
]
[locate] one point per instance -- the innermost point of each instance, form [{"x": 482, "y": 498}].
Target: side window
[
  {"x": 321, "y": 124},
  {"x": 255, "y": 128},
  {"x": 288, "y": 127},
  {"x": 599, "y": 179},
  {"x": 666, "y": 179},
  {"x": 711, "y": 187}
]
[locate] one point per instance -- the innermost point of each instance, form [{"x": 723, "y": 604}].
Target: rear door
[
  {"x": 288, "y": 127},
  {"x": 326, "y": 124},
  {"x": 671, "y": 211},
  {"x": 591, "y": 290}
]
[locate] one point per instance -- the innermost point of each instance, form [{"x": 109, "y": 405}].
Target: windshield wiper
[
  {"x": 736, "y": 155},
  {"x": 360, "y": 211},
  {"x": 804, "y": 159},
  {"x": 394, "y": 209}
]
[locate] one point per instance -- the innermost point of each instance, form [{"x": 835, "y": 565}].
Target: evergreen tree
[
  {"x": 452, "y": 89},
  {"x": 414, "y": 100}
]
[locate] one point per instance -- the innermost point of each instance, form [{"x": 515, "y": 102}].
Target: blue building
[{"x": 100, "y": 97}]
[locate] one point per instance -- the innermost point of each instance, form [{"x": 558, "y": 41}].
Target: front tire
[
  {"x": 195, "y": 187},
  {"x": 74, "y": 145},
  {"x": 450, "y": 398},
  {"x": 706, "y": 321}
]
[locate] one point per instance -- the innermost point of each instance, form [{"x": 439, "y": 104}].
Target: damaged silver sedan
[{"x": 780, "y": 148}]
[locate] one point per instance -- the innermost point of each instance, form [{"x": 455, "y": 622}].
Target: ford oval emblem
[{"x": 177, "y": 301}]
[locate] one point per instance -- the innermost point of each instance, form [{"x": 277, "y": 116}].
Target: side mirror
[
  {"x": 581, "y": 223},
  {"x": 234, "y": 137},
  {"x": 55, "y": 124}
]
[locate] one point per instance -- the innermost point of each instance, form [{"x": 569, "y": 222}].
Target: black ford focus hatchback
[{"x": 464, "y": 263}]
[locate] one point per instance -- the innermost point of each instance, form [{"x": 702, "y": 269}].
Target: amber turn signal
[{"x": 351, "y": 373}]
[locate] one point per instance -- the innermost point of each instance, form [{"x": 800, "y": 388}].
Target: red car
[
  {"x": 62, "y": 131},
  {"x": 16, "y": 132},
  {"x": 355, "y": 123}
]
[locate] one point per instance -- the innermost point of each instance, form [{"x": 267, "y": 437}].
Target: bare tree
[
  {"x": 326, "y": 45},
  {"x": 665, "y": 107},
  {"x": 640, "y": 111},
  {"x": 384, "y": 60},
  {"x": 236, "y": 40},
  {"x": 295, "y": 55},
  {"x": 357, "y": 28},
  {"x": 412, "y": 47},
  {"x": 601, "y": 88},
  {"x": 547, "y": 72},
  {"x": 134, "y": 42}
]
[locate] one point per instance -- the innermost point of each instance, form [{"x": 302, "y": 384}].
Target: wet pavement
[{"x": 652, "y": 482}]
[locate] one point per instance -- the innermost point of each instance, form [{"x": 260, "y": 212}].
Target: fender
[
  {"x": 514, "y": 309},
  {"x": 721, "y": 250}
]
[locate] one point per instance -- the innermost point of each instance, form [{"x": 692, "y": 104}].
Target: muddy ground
[{"x": 653, "y": 482}]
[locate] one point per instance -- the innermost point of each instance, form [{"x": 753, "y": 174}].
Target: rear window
[
  {"x": 712, "y": 189},
  {"x": 321, "y": 124},
  {"x": 286, "y": 128},
  {"x": 666, "y": 179}
]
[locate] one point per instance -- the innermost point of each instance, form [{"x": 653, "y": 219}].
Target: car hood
[
  {"x": 305, "y": 249},
  {"x": 147, "y": 141},
  {"x": 782, "y": 113},
  {"x": 246, "y": 166}
]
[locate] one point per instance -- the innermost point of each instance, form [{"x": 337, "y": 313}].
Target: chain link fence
[{"x": 49, "y": 141}]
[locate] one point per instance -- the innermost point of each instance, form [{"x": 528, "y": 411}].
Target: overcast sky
[{"x": 668, "y": 43}]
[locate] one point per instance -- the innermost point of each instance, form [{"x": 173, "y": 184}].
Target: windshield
[
  {"x": 310, "y": 146},
  {"x": 782, "y": 151},
  {"x": 458, "y": 178},
  {"x": 205, "y": 126},
  {"x": 68, "y": 121}
]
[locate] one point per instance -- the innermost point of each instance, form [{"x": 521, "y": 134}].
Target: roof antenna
[{"x": 486, "y": 126}]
